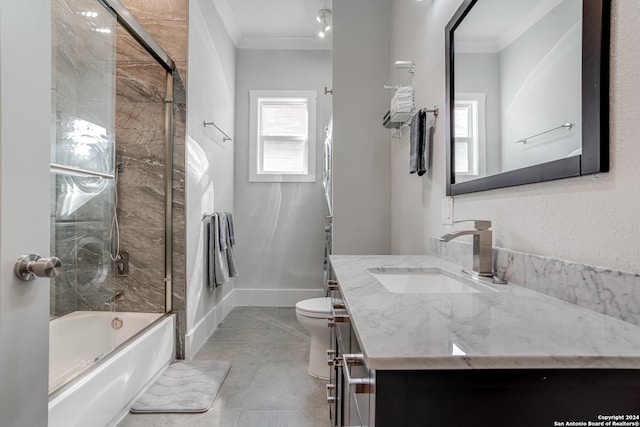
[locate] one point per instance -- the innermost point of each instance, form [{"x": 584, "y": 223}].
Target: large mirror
[{"x": 527, "y": 92}]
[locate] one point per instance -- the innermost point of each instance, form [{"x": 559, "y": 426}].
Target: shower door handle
[{"x": 30, "y": 266}]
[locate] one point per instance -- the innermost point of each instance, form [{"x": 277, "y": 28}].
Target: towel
[
  {"x": 424, "y": 160},
  {"x": 221, "y": 267},
  {"x": 416, "y": 141},
  {"x": 232, "y": 234},
  {"x": 231, "y": 239},
  {"x": 219, "y": 239},
  {"x": 421, "y": 141},
  {"x": 208, "y": 253},
  {"x": 402, "y": 101}
]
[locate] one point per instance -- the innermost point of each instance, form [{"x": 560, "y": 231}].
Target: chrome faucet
[{"x": 482, "y": 246}]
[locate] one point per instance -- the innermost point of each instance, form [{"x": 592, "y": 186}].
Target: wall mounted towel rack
[
  {"x": 566, "y": 126},
  {"x": 225, "y": 137},
  {"x": 398, "y": 133}
]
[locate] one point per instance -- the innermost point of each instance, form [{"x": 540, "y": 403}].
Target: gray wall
[
  {"x": 361, "y": 168},
  {"x": 279, "y": 226}
]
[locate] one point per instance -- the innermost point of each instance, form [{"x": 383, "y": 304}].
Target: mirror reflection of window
[
  {"x": 470, "y": 146},
  {"x": 525, "y": 57},
  {"x": 465, "y": 141}
]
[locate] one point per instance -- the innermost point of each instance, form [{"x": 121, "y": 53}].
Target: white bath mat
[{"x": 185, "y": 386}]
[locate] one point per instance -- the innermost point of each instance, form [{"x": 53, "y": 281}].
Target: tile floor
[{"x": 268, "y": 384}]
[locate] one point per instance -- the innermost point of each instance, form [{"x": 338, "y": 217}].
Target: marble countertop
[{"x": 500, "y": 327}]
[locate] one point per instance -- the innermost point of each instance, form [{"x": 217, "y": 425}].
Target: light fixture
[{"x": 323, "y": 18}]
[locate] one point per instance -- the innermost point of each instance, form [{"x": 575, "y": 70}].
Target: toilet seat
[{"x": 316, "y": 308}]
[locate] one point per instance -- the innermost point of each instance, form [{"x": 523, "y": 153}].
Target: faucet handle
[{"x": 478, "y": 224}]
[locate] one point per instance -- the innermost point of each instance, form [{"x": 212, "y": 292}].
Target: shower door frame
[{"x": 137, "y": 31}]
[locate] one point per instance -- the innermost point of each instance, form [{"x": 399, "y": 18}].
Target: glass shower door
[
  {"x": 82, "y": 153},
  {"x": 111, "y": 201},
  {"x": 82, "y": 181}
]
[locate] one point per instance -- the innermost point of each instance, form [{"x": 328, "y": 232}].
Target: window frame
[
  {"x": 476, "y": 143},
  {"x": 256, "y": 139}
]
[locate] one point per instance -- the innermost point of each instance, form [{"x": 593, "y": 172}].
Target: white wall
[
  {"x": 592, "y": 219},
  {"x": 209, "y": 162},
  {"x": 279, "y": 226},
  {"x": 543, "y": 62},
  {"x": 361, "y": 168},
  {"x": 25, "y": 121}
]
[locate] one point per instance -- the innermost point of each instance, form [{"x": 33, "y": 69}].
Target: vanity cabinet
[
  {"x": 351, "y": 389},
  {"x": 359, "y": 396}
]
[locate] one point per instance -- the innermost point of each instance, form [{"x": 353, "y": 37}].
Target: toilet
[{"x": 313, "y": 315}]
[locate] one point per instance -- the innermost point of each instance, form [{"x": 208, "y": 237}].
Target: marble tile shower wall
[
  {"x": 82, "y": 88},
  {"x": 614, "y": 293},
  {"x": 141, "y": 145}
]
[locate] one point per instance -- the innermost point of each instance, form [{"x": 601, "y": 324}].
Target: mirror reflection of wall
[{"x": 517, "y": 75}]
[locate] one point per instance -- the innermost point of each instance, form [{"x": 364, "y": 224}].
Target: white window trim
[
  {"x": 479, "y": 168},
  {"x": 254, "y": 138}
]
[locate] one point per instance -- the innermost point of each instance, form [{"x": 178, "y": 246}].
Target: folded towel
[
  {"x": 404, "y": 90},
  {"x": 219, "y": 239},
  {"x": 416, "y": 140},
  {"x": 424, "y": 158},
  {"x": 402, "y": 101},
  {"x": 208, "y": 253},
  {"x": 232, "y": 234},
  {"x": 226, "y": 230},
  {"x": 421, "y": 141}
]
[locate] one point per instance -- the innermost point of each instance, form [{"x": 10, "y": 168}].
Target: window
[
  {"x": 469, "y": 134},
  {"x": 282, "y": 136}
]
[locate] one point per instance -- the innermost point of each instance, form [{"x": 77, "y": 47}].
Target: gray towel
[
  {"x": 221, "y": 267},
  {"x": 416, "y": 140},
  {"x": 232, "y": 234},
  {"x": 231, "y": 241},
  {"x": 421, "y": 140},
  {"x": 424, "y": 160},
  {"x": 208, "y": 253},
  {"x": 219, "y": 239}
]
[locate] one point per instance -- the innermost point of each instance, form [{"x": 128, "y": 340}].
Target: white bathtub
[{"x": 101, "y": 395}]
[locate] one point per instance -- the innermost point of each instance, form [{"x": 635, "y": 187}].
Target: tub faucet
[{"x": 482, "y": 246}]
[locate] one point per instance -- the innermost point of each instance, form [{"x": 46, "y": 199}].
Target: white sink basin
[{"x": 420, "y": 281}]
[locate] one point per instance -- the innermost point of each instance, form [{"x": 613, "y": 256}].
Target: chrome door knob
[{"x": 30, "y": 266}]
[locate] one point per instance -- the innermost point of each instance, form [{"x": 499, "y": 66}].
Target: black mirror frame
[{"x": 595, "y": 108}]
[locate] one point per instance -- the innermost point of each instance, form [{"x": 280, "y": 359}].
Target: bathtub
[{"x": 100, "y": 396}]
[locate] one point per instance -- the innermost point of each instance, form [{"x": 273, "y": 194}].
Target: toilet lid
[{"x": 314, "y": 307}]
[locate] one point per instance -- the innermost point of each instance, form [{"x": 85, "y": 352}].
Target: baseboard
[
  {"x": 274, "y": 297},
  {"x": 198, "y": 335}
]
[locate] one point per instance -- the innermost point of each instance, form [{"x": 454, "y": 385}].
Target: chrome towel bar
[
  {"x": 225, "y": 137},
  {"x": 566, "y": 126}
]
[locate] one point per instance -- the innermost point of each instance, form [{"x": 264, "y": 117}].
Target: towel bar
[
  {"x": 398, "y": 133},
  {"x": 225, "y": 137},
  {"x": 566, "y": 126}
]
